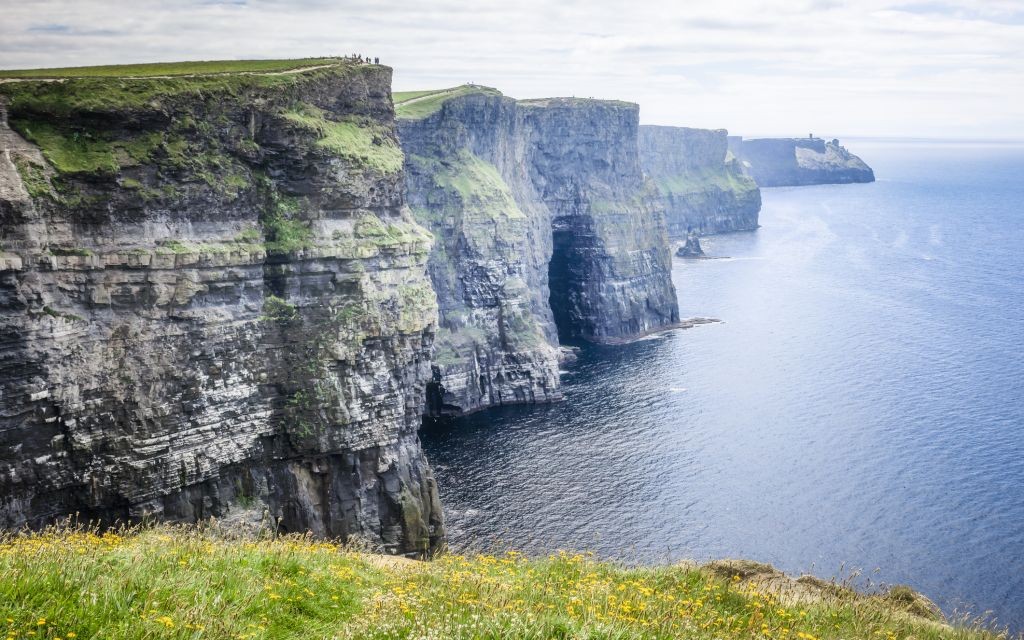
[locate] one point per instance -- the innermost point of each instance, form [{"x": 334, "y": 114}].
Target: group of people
[{"x": 363, "y": 59}]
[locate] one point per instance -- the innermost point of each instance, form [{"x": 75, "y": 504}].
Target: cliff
[
  {"x": 782, "y": 162},
  {"x": 704, "y": 186},
  {"x": 545, "y": 226},
  {"x": 213, "y": 302}
]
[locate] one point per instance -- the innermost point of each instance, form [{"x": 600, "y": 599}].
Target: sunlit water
[{"x": 861, "y": 405}]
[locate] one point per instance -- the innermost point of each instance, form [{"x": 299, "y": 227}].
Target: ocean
[{"x": 858, "y": 413}]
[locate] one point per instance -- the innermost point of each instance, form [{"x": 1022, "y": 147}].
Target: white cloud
[{"x": 946, "y": 68}]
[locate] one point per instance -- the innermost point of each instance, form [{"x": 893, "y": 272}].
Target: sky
[{"x": 895, "y": 68}]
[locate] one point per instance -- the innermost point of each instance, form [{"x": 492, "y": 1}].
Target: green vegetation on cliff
[
  {"x": 695, "y": 181},
  {"x": 188, "y": 583},
  {"x": 361, "y": 140},
  {"x": 483, "y": 194},
  {"x": 113, "y": 94},
  {"x": 33, "y": 177},
  {"x": 420, "y": 104},
  {"x": 195, "y": 67},
  {"x": 100, "y": 120}
]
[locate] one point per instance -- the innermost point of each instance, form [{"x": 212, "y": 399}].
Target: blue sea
[{"x": 858, "y": 413}]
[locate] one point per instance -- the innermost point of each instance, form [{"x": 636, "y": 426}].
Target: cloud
[
  {"x": 49, "y": 28},
  {"x": 951, "y": 68}
]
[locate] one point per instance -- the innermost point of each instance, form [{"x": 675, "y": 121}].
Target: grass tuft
[{"x": 279, "y": 310}]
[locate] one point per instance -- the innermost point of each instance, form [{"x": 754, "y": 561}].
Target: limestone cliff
[
  {"x": 214, "y": 302},
  {"x": 782, "y": 162},
  {"x": 544, "y": 225},
  {"x": 496, "y": 342},
  {"x": 704, "y": 186}
]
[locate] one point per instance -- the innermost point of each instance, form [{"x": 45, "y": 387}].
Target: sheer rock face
[
  {"x": 496, "y": 343},
  {"x": 208, "y": 307},
  {"x": 611, "y": 269},
  {"x": 784, "y": 162},
  {"x": 541, "y": 214},
  {"x": 704, "y": 186}
]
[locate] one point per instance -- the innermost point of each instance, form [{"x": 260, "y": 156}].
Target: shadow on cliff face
[{"x": 566, "y": 273}]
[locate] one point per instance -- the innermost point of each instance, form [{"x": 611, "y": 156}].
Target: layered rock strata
[
  {"x": 784, "y": 162},
  {"x": 705, "y": 188},
  {"x": 214, "y": 302},
  {"x": 545, "y": 225}
]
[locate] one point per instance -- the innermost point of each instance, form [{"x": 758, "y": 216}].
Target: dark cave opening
[{"x": 567, "y": 272}]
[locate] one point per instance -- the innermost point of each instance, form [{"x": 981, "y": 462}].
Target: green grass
[
  {"x": 414, "y": 105},
  {"x": 169, "y": 582},
  {"x": 285, "y": 235},
  {"x": 279, "y": 310},
  {"x": 723, "y": 178},
  {"x": 483, "y": 193},
  {"x": 33, "y": 177},
  {"x": 170, "y": 68},
  {"x": 403, "y": 96},
  {"x": 70, "y": 152},
  {"x": 183, "y": 247},
  {"x": 102, "y": 94},
  {"x": 574, "y": 101},
  {"x": 360, "y": 140}
]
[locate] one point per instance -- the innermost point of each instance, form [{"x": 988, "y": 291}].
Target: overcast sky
[{"x": 945, "y": 68}]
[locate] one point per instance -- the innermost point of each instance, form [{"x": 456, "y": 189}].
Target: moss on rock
[{"x": 360, "y": 140}]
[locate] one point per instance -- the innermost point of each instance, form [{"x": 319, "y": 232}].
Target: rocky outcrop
[
  {"x": 545, "y": 225},
  {"x": 214, "y": 302},
  {"x": 783, "y": 162},
  {"x": 704, "y": 186},
  {"x": 691, "y": 248}
]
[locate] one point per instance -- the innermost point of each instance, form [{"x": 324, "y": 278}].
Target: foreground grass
[
  {"x": 169, "y": 68},
  {"x": 185, "y": 583}
]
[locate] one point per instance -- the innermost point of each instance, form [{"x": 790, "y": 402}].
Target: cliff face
[
  {"x": 496, "y": 343},
  {"x": 782, "y": 162},
  {"x": 704, "y": 186},
  {"x": 611, "y": 270},
  {"x": 543, "y": 220},
  {"x": 213, "y": 302}
]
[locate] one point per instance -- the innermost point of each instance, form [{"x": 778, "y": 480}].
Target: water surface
[{"x": 861, "y": 405}]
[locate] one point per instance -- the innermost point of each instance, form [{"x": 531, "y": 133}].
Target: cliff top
[
  {"x": 100, "y": 120},
  {"x": 683, "y": 130},
  {"x": 167, "y": 69},
  {"x": 142, "y": 88},
  {"x": 414, "y": 105},
  {"x": 574, "y": 101},
  {"x": 178, "y": 582}
]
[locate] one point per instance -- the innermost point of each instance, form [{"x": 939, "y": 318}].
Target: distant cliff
[
  {"x": 782, "y": 162},
  {"x": 545, "y": 227},
  {"x": 704, "y": 186},
  {"x": 214, "y": 302}
]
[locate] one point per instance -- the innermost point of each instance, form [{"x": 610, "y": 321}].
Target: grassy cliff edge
[{"x": 170, "y": 582}]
